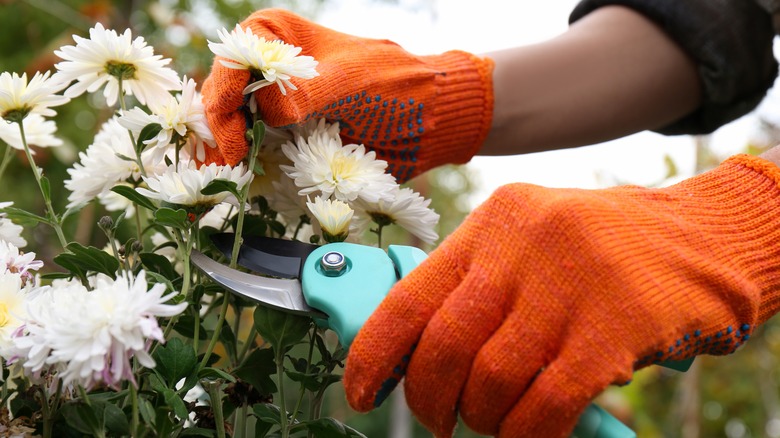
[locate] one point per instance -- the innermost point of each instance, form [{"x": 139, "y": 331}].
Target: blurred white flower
[
  {"x": 333, "y": 217},
  {"x": 9, "y": 231},
  {"x": 182, "y": 185},
  {"x": 407, "y": 209},
  {"x": 90, "y": 336},
  {"x": 107, "y": 56},
  {"x": 285, "y": 200},
  {"x": 113, "y": 201},
  {"x": 13, "y": 292},
  {"x": 100, "y": 168},
  {"x": 218, "y": 216},
  {"x": 274, "y": 61},
  {"x": 38, "y": 131},
  {"x": 18, "y": 98},
  {"x": 181, "y": 117},
  {"x": 321, "y": 164},
  {"x": 12, "y": 233}
]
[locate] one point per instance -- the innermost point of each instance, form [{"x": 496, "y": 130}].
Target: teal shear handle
[{"x": 348, "y": 281}]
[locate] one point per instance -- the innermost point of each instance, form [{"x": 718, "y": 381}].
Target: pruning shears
[{"x": 339, "y": 285}]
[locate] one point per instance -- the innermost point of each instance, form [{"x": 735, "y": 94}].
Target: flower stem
[
  {"x": 123, "y": 105},
  {"x": 133, "y": 410},
  {"x": 302, "y": 393},
  {"x": 250, "y": 342},
  {"x": 6, "y": 159},
  {"x": 215, "y": 394},
  {"x": 379, "y": 234},
  {"x": 282, "y": 405},
  {"x": 240, "y": 426},
  {"x": 234, "y": 260},
  {"x": 53, "y": 220}
]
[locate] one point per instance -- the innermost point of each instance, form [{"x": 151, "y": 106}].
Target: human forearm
[{"x": 612, "y": 74}]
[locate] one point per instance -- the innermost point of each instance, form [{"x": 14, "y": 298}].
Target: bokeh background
[{"x": 734, "y": 396}]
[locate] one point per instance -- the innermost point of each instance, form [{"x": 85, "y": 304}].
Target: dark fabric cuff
[{"x": 730, "y": 41}]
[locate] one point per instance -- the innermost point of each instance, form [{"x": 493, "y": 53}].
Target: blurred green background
[{"x": 735, "y": 396}]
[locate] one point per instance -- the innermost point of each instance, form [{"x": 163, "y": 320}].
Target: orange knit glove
[
  {"x": 544, "y": 297},
  {"x": 417, "y": 112}
]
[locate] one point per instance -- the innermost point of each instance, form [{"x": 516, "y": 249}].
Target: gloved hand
[
  {"x": 417, "y": 112},
  {"x": 544, "y": 297}
]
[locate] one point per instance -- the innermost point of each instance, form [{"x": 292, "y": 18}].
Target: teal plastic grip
[
  {"x": 598, "y": 423},
  {"x": 351, "y": 295}
]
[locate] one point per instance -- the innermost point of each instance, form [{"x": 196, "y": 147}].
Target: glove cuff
[
  {"x": 749, "y": 189},
  {"x": 461, "y": 116}
]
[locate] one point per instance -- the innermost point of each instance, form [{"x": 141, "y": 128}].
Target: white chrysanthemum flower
[
  {"x": 9, "y": 231},
  {"x": 274, "y": 61},
  {"x": 182, "y": 185},
  {"x": 38, "y": 131},
  {"x": 322, "y": 165},
  {"x": 91, "y": 335},
  {"x": 181, "y": 117},
  {"x": 13, "y": 292},
  {"x": 107, "y": 56},
  {"x": 101, "y": 167},
  {"x": 407, "y": 209},
  {"x": 13, "y": 260},
  {"x": 333, "y": 217},
  {"x": 19, "y": 98}
]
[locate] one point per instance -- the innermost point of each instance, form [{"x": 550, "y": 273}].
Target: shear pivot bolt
[{"x": 333, "y": 263}]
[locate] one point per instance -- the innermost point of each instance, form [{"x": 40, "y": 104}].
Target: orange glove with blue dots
[
  {"x": 544, "y": 297},
  {"x": 416, "y": 112}
]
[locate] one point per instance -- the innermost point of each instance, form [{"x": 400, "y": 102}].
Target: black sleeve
[{"x": 730, "y": 41}]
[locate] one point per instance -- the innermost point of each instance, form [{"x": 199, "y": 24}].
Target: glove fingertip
[{"x": 229, "y": 131}]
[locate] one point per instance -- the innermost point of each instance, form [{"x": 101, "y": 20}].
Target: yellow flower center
[
  {"x": 342, "y": 168},
  {"x": 5, "y": 316},
  {"x": 120, "y": 70}
]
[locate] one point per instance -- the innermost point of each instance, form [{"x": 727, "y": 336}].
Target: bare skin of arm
[{"x": 613, "y": 73}]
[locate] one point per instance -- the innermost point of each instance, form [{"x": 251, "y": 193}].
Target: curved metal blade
[
  {"x": 280, "y": 293},
  {"x": 266, "y": 255}
]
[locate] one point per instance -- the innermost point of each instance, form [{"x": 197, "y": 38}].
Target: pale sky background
[{"x": 433, "y": 26}]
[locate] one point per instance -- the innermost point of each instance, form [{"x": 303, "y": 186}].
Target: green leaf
[
  {"x": 88, "y": 259},
  {"x": 146, "y": 409},
  {"x": 115, "y": 420},
  {"x": 258, "y": 134},
  {"x": 267, "y": 413},
  {"x": 257, "y": 370},
  {"x": 134, "y": 196},
  {"x": 329, "y": 428},
  {"x": 215, "y": 373},
  {"x": 219, "y": 186},
  {"x": 185, "y": 326},
  {"x": 96, "y": 418},
  {"x": 160, "y": 279},
  {"x": 149, "y": 132},
  {"x": 159, "y": 264},
  {"x": 46, "y": 188},
  {"x": 23, "y": 218},
  {"x": 281, "y": 329},
  {"x": 175, "y": 361},
  {"x": 172, "y": 218},
  {"x": 175, "y": 402}
]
